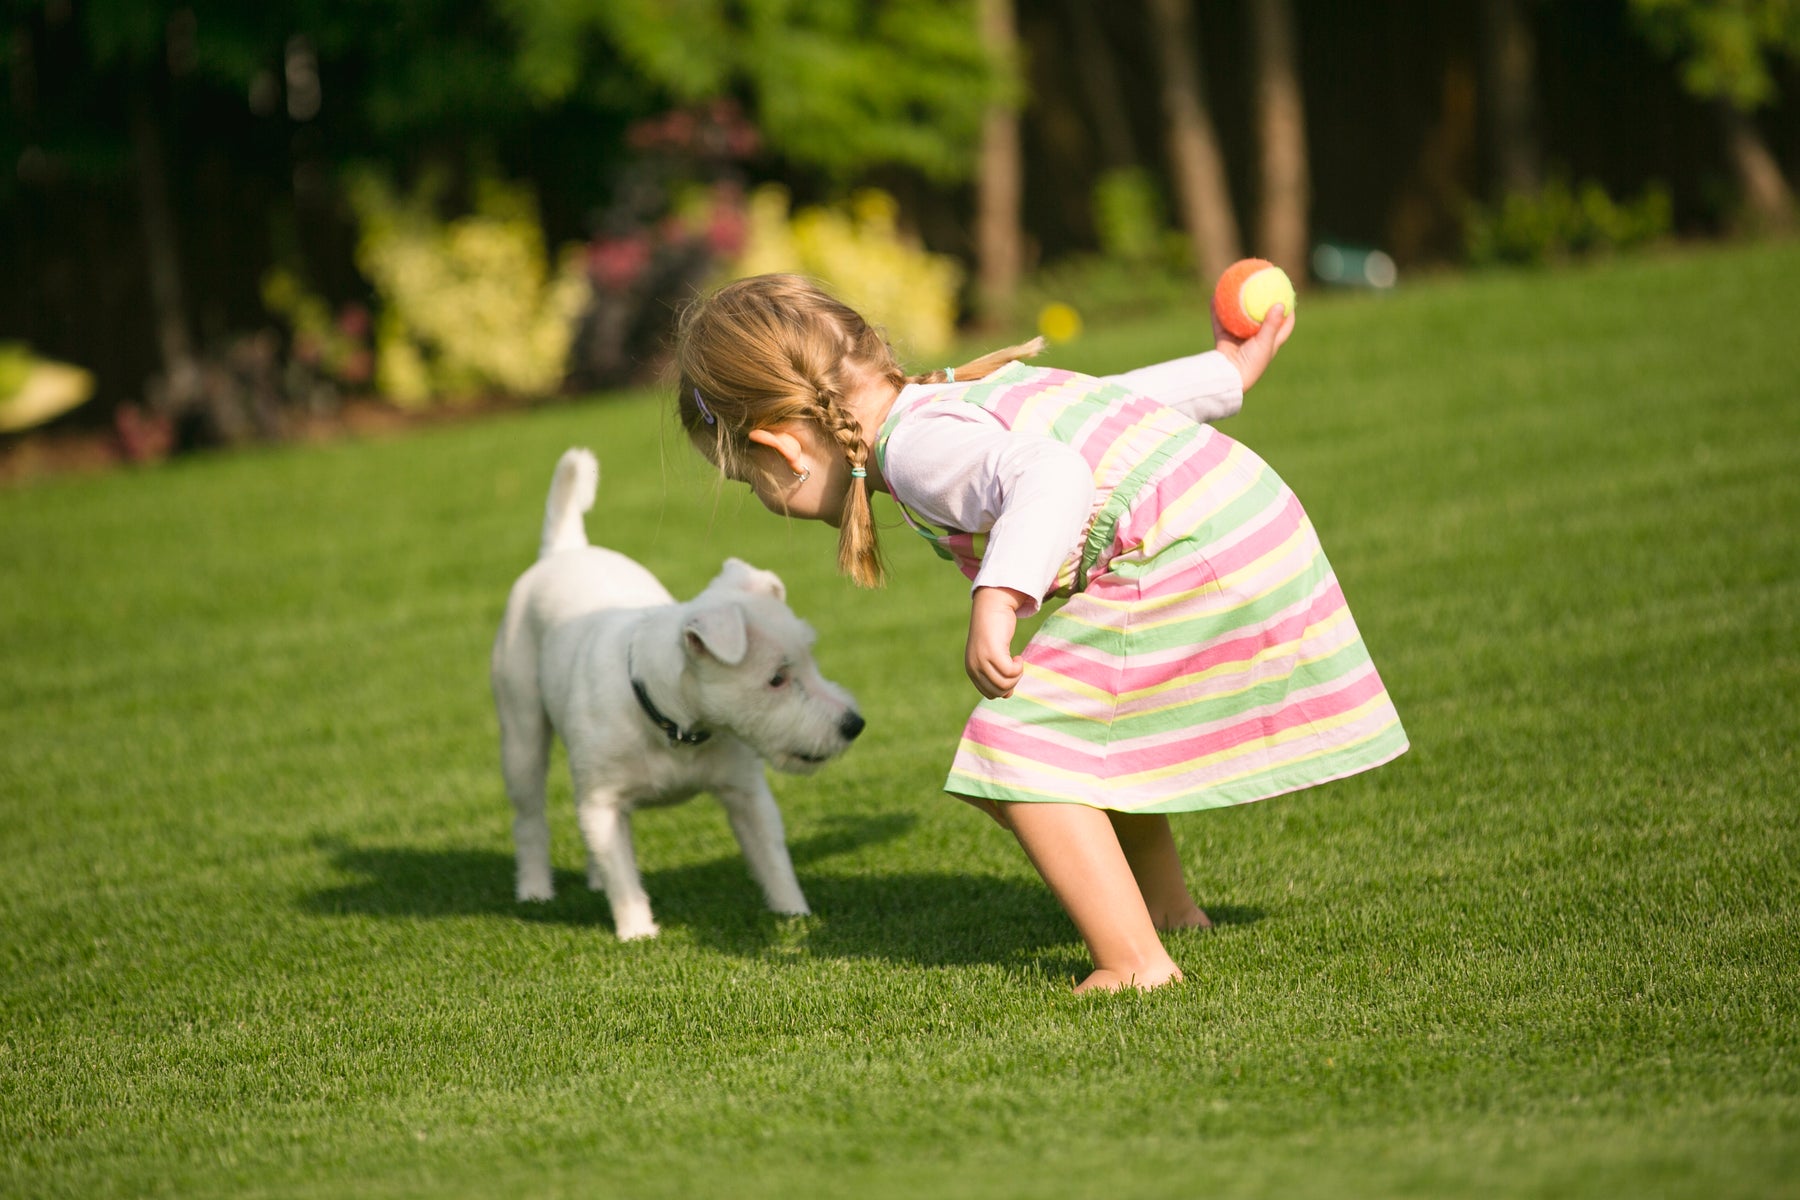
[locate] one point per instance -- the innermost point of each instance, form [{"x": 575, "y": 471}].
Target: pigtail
[
  {"x": 984, "y": 366},
  {"x": 859, "y": 551}
]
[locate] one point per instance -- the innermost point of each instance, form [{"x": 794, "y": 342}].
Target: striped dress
[{"x": 1205, "y": 655}]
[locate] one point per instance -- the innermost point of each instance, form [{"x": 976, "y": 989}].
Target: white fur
[{"x": 572, "y": 622}]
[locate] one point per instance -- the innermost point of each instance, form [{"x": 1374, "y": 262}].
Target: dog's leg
[
  {"x": 612, "y": 865},
  {"x": 757, "y": 823},
  {"x": 524, "y": 760}
]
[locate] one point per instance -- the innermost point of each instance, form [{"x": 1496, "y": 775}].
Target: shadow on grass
[{"x": 927, "y": 918}]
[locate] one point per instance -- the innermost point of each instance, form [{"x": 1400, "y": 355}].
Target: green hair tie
[{"x": 858, "y": 473}]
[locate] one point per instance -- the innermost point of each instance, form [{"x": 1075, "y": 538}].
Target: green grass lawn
[{"x": 256, "y": 928}]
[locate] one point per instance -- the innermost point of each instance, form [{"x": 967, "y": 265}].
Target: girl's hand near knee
[
  {"x": 989, "y": 660},
  {"x": 1252, "y": 355}
]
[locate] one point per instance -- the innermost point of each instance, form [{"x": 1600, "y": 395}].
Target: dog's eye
[{"x": 779, "y": 680}]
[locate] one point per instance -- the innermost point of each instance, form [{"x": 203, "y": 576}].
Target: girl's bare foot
[
  {"x": 1103, "y": 980},
  {"x": 1188, "y": 916},
  {"x": 1149, "y": 847},
  {"x": 1074, "y": 848}
]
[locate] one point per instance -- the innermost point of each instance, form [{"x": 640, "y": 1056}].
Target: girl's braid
[
  {"x": 859, "y": 554},
  {"x": 843, "y": 427}
]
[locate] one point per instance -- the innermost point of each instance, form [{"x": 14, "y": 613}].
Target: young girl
[{"x": 1204, "y": 656}]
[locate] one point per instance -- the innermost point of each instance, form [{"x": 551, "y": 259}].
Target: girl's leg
[
  {"x": 1149, "y": 847},
  {"x": 1076, "y": 851},
  {"x": 990, "y": 807}
]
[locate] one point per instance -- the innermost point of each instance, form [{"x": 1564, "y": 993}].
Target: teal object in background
[{"x": 1354, "y": 266}]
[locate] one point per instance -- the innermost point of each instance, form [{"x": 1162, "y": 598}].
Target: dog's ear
[
  {"x": 718, "y": 630},
  {"x": 736, "y": 573}
]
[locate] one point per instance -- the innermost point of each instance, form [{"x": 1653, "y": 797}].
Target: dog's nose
[{"x": 851, "y": 725}]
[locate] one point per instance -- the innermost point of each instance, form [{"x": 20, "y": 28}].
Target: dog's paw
[
  {"x": 632, "y": 919},
  {"x": 535, "y": 891}
]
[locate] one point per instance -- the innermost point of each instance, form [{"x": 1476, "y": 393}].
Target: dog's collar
[{"x": 675, "y": 733}]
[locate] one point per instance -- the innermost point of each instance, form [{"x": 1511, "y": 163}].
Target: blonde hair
[{"x": 776, "y": 348}]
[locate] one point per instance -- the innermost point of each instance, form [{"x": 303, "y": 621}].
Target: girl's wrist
[
  {"x": 1009, "y": 598},
  {"x": 1235, "y": 356}
]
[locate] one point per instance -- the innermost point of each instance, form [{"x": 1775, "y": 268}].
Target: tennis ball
[{"x": 1246, "y": 292}]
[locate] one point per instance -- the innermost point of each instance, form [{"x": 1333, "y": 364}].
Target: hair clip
[{"x": 704, "y": 411}]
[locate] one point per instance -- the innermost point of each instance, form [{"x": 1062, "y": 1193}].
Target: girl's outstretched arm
[
  {"x": 989, "y": 660},
  {"x": 1210, "y": 387},
  {"x": 1205, "y": 387}
]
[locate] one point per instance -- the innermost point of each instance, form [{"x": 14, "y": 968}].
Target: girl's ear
[{"x": 784, "y": 442}]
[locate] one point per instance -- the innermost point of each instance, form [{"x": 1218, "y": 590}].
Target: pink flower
[
  {"x": 727, "y": 231},
  {"x": 353, "y": 321},
  {"x": 678, "y": 128},
  {"x": 616, "y": 263}
]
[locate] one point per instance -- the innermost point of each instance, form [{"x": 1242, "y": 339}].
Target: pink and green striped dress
[{"x": 1205, "y": 655}]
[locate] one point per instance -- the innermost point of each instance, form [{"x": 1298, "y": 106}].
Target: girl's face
[{"x": 770, "y": 470}]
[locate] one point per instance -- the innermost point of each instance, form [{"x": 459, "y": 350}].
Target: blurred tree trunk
[
  {"x": 1511, "y": 52},
  {"x": 1425, "y": 221},
  {"x": 181, "y": 369},
  {"x": 1098, "y": 72},
  {"x": 999, "y": 239},
  {"x": 1281, "y": 122},
  {"x": 1768, "y": 201},
  {"x": 1202, "y": 189}
]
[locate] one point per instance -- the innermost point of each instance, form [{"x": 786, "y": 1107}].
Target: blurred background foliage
[
  {"x": 861, "y": 248},
  {"x": 231, "y": 220},
  {"x": 469, "y": 306}
]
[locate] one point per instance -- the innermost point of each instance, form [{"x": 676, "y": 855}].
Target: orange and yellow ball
[{"x": 1246, "y": 292}]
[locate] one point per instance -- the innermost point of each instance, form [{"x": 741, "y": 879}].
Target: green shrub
[
  {"x": 465, "y": 307},
  {"x": 16, "y": 364},
  {"x": 333, "y": 345},
  {"x": 1128, "y": 216},
  {"x": 1115, "y": 287},
  {"x": 860, "y": 252},
  {"x": 1142, "y": 266},
  {"x": 1561, "y": 222}
]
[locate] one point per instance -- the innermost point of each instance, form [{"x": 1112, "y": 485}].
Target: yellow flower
[
  {"x": 1059, "y": 322},
  {"x": 470, "y": 306},
  {"x": 861, "y": 253}
]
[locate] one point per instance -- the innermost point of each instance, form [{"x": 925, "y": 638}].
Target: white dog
[{"x": 655, "y": 701}]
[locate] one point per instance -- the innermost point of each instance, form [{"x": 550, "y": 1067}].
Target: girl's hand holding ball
[{"x": 1250, "y": 292}]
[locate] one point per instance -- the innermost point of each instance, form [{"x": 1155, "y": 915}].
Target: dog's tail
[{"x": 571, "y": 495}]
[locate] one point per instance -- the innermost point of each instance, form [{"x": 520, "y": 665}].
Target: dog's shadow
[{"x": 926, "y": 918}]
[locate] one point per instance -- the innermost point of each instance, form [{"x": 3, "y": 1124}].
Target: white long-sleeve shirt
[{"x": 958, "y": 467}]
